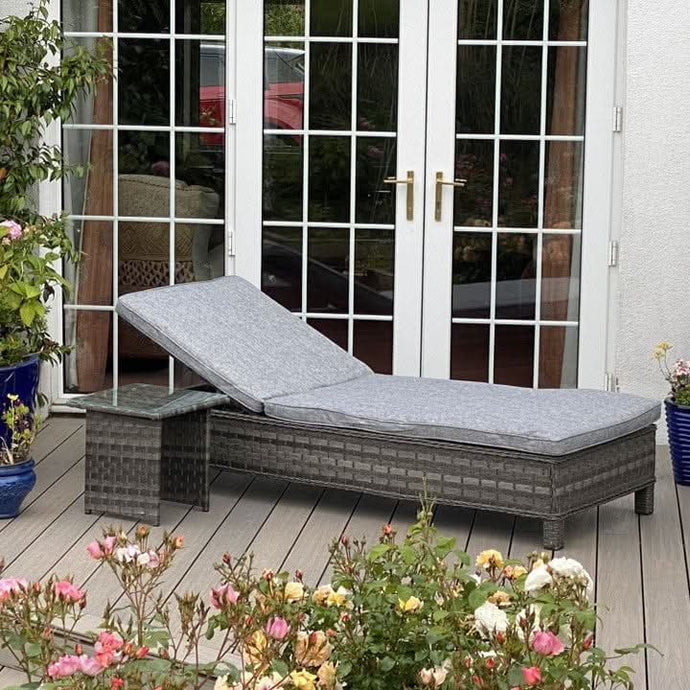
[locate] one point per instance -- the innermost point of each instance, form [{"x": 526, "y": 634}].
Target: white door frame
[{"x": 597, "y": 200}]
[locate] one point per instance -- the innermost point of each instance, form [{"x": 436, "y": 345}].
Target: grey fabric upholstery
[
  {"x": 238, "y": 339},
  {"x": 548, "y": 422}
]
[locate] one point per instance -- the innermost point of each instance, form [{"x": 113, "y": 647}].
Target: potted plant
[
  {"x": 34, "y": 91},
  {"x": 677, "y": 406},
  {"x": 17, "y": 476}
]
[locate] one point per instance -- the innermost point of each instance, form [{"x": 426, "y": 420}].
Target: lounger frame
[{"x": 546, "y": 487}]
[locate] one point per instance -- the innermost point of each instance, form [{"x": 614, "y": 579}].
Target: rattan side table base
[{"x": 133, "y": 463}]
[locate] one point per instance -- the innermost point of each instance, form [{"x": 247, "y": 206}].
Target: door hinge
[
  {"x": 232, "y": 111},
  {"x": 612, "y": 253},
  {"x": 617, "y": 118},
  {"x": 611, "y": 382},
  {"x": 230, "y": 242}
]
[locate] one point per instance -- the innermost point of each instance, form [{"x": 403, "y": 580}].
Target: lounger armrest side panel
[{"x": 239, "y": 339}]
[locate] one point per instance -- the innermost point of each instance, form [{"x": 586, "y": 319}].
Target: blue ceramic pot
[
  {"x": 678, "y": 423},
  {"x": 15, "y": 483},
  {"x": 18, "y": 379}
]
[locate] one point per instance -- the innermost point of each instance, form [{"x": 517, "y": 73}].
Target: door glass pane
[
  {"x": 521, "y": 90},
  {"x": 377, "y": 87},
  {"x": 200, "y": 17},
  {"x": 328, "y": 270},
  {"x": 477, "y": 19},
  {"x": 515, "y": 276},
  {"x": 514, "y": 355},
  {"x": 469, "y": 352},
  {"x": 475, "y": 108},
  {"x": 373, "y": 271},
  {"x": 330, "y": 91},
  {"x": 375, "y": 162},
  {"x": 281, "y": 270},
  {"x": 199, "y": 252},
  {"x": 200, "y": 84},
  {"x": 331, "y": 17},
  {"x": 284, "y": 17},
  {"x": 518, "y": 192},
  {"x": 560, "y": 281},
  {"x": 282, "y": 177},
  {"x": 565, "y": 103},
  {"x": 472, "y": 275},
  {"x": 563, "y": 184},
  {"x": 329, "y": 179},
  {"x": 379, "y": 18},
  {"x": 200, "y": 175},
  {"x": 474, "y": 162},
  {"x": 335, "y": 329},
  {"x": 143, "y": 16},
  {"x": 523, "y": 19},
  {"x": 373, "y": 344},
  {"x": 558, "y": 346},
  {"x": 284, "y": 85},
  {"x": 568, "y": 20}
]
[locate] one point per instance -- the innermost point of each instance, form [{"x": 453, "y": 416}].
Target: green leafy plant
[
  {"x": 22, "y": 425},
  {"x": 36, "y": 88}
]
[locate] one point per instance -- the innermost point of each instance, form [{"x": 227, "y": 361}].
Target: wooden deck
[{"x": 640, "y": 564}]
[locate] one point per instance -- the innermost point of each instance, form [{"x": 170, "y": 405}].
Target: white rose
[
  {"x": 538, "y": 579},
  {"x": 574, "y": 570},
  {"x": 143, "y": 559},
  {"x": 221, "y": 683},
  {"x": 488, "y": 618}
]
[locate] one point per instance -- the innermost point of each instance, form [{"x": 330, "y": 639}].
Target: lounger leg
[
  {"x": 554, "y": 530},
  {"x": 644, "y": 500}
]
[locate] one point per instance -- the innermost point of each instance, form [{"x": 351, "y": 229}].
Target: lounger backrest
[{"x": 239, "y": 339}]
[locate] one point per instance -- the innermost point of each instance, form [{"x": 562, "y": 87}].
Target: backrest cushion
[{"x": 239, "y": 339}]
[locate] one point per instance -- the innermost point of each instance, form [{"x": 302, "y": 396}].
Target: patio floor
[{"x": 640, "y": 564}]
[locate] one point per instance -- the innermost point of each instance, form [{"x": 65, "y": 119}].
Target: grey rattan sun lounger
[{"x": 306, "y": 410}]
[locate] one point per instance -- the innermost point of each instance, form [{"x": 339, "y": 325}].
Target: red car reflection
[{"x": 283, "y": 89}]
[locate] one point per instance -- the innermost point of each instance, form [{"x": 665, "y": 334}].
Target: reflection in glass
[
  {"x": 329, "y": 179},
  {"x": 474, "y": 162},
  {"x": 282, "y": 177},
  {"x": 199, "y": 252},
  {"x": 514, "y": 355},
  {"x": 560, "y": 283},
  {"x": 568, "y": 20},
  {"x": 140, "y": 359},
  {"x": 375, "y": 162},
  {"x": 515, "y": 276},
  {"x": 518, "y": 193},
  {"x": 144, "y": 81},
  {"x": 95, "y": 106},
  {"x": 283, "y": 17},
  {"x": 143, "y": 16},
  {"x": 566, "y": 90},
  {"x": 476, "y": 91},
  {"x": 281, "y": 269},
  {"x": 200, "y": 84},
  {"x": 333, "y": 329},
  {"x": 83, "y": 195},
  {"x": 144, "y": 179},
  {"x": 377, "y": 87},
  {"x": 523, "y": 19},
  {"x": 200, "y": 17},
  {"x": 94, "y": 238},
  {"x": 331, "y": 17},
  {"x": 87, "y": 15},
  {"x": 199, "y": 174},
  {"x": 143, "y": 256},
  {"x": 477, "y": 19},
  {"x": 558, "y": 348},
  {"x": 330, "y": 90},
  {"x": 88, "y": 366},
  {"x": 379, "y": 18},
  {"x": 471, "y": 275},
  {"x": 328, "y": 270},
  {"x": 521, "y": 90},
  {"x": 469, "y": 352},
  {"x": 374, "y": 271},
  {"x": 563, "y": 184},
  {"x": 373, "y": 344},
  {"x": 283, "y": 85}
]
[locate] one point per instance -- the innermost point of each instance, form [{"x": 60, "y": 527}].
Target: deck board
[{"x": 639, "y": 563}]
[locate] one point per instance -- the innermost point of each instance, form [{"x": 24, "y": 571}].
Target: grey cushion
[
  {"x": 238, "y": 339},
  {"x": 548, "y": 422}
]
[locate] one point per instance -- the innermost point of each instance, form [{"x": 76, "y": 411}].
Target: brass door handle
[
  {"x": 439, "y": 191},
  {"x": 409, "y": 181}
]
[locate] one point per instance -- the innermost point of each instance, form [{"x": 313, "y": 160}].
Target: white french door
[{"x": 432, "y": 180}]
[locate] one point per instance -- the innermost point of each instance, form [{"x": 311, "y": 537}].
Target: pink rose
[
  {"x": 107, "y": 647},
  {"x": 12, "y": 585},
  {"x": 14, "y": 229},
  {"x": 223, "y": 596},
  {"x": 277, "y": 628},
  {"x": 68, "y": 591},
  {"x": 95, "y": 550},
  {"x": 546, "y": 643},
  {"x": 89, "y": 666},
  {"x": 532, "y": 675},
  {"x": 64, "y": 666},
  {"x": 109, "y": 545}
]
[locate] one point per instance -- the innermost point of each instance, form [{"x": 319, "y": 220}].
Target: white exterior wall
[
  {"x": 653, "y": 283},
  {"x": 10, "y": 7}
]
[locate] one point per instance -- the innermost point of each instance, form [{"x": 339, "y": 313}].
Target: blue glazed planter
[
  {"x": 15, "y": 483},
  {"x": 18, "y": 379},
  {"x": 678, "y": 423}
]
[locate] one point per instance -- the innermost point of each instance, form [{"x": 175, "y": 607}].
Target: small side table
[{"x": 143, "y": 445}]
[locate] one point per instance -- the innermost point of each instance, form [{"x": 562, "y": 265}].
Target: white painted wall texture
[
  {"x": 10, "y": 7},
  {"x": 654, "y": 275}
]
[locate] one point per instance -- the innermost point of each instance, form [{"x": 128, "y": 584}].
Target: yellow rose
[
  {"x": 312, "y": 649},
  {"x": 513, "y": 572},
  {"x": 327, "y": 675},
  {"x": 490, "y": 559},
  {"x": 338, "y": 598},
  {"x": 303, "y": 680},
  {"x": 499, "y": 597},
  {"x": 320, "y": 595},
  {"x": 411, "y": 605},
  {"x": 255, "y": 647},
  {"x": 294, "y": 591}
]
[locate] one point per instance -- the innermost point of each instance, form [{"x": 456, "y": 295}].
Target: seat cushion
[
  {"x": 547, "y": 422},
  {"x": 238, "y": 339}
]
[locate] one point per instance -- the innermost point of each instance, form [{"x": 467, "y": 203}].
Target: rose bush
[{"x": 402, "y": 614}]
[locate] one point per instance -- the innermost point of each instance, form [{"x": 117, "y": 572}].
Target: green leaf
[
  {"x": 27, "y": 313},
  {"x": 387, "y": 664}
]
